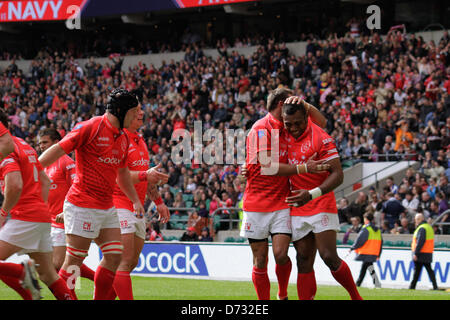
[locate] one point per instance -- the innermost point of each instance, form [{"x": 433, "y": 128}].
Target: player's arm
[
  {"x": 334, "y": 179},
  {"x": 6, "y": 145},
  {"x": 270, "y": 167},
  {"x": 154, "y": 195},
  {"x": 13, "y": 190},
  {"x": 316, "y": 116},
  {"x": 153, "y": 176},
  {"x": 126, "y": 185},
  {"x": 45, "y": 185},
  {"x": 50, "y": 155}
]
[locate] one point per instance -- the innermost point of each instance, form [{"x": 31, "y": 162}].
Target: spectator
[
  {"x": 189, "y": 235},
  {"x": 391, "y": 184},
  {"x": 355, "y": 228},
  {"x": 194, "y": 221},
  {"x": 343, "y": 211},
  {"x": 385, "y": 228},
  {"x": 205, "y": 236},
  {"x": 155, "y": 233},
  {"x": 358, "y": 206},
  {"x": 392, "y": 209},
  {"x": 410, "y": 204}
]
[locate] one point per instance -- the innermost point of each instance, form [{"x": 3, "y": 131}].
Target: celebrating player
[
  {"x": 61, "y": 174},
  {"x": 265, "y": 210},
  {"x": 101, "y": 149},
  {"x": 6, "y": 142},
  {"x": 132, "y": 228},
  {"x": 314, "y": 212},
  {"x": 25, "y": 187}
]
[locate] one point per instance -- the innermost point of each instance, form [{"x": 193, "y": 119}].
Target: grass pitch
[{"x": 159, "y": 288}]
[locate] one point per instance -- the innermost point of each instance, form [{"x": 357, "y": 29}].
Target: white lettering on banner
[
  {"x": 55, "y": 8},
  {"x": 164, "y": 262},
  {"x": 32, "y": 9}
]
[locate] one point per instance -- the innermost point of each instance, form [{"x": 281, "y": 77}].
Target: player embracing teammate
[
  {"x": 266, "y": 212},
  {"x": 311, "y": 222}
]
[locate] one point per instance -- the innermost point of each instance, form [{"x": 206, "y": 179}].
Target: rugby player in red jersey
[
  {"x": 101, "y": 150},
  {"x": 314, "y": 213},
  {"x": 266, "y": 212},
  {"x": 25, "y": 187},
  {"x": 6, "y": 142},
  {"x": 61, "y": 174},
  {"x": 132, "y": 228}
]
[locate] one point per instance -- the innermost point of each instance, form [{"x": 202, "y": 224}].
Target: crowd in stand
[{"x": 385, "y": 99}]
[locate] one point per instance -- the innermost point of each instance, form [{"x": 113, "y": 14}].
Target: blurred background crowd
[{"x": 386, "y": 98}]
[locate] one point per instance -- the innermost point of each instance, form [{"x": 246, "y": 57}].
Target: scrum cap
[{"x": 120, "y": 101}]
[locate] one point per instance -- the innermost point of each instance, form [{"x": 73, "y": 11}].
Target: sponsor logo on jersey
[
  {"x": 109, "y": 160},
  {"x": 140, "y": 162}
]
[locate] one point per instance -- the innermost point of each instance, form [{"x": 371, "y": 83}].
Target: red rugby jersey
[
  {"x": 100, "y": 149},
  {"x": 31, "y": 205},
  {"x": 138, "y": 160},
  {"x": 3, "y": 129},
  {"x": 313, "y": 140},
  {"x": 265, "y": 193},
  {"x": 61, "y": 174}
]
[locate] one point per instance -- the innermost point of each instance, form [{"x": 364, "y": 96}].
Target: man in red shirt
[
  {"x": 6, "y": 142},
  {"x": 101, "y": 149},
  {"x": 133, "y": 230},
  {"x": 61, "y": 174},
  {"x": 265, "y": 209},
  {"x": 25, "y": 187},
  {"x": 314, "y": 213}
]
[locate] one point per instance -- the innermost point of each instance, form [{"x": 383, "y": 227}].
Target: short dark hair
[
  {"x": 291, "y": 108},
  {"x": 51, "y": 132},
  {"x": 277, "y": 95},
  {"x": 369, "y": 216},
  {"x": 4, "y": 118}
]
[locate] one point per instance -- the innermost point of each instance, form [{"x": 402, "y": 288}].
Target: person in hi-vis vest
[
  {"x": 368, "y": 246},
  {"x": 422, "y": 247}
]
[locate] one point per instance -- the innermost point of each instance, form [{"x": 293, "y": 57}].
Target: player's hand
[
  {"x": 138, "y": 210},
  {"x": 318, "y": 166},
  {"x": 244, "y": 170},
  {"x": 414, "y": 257},
  {"x": 155, "y": 177},
  {"x": 301, "y": 198},
  {"x": 163, "y": 213},
  {"x": 59, "y": 218},
  {"x": 293, "y": 100}
]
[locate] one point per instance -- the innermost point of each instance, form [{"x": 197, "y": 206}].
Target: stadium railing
[
  {"x": 342, "y": 192},
  {"x": 216, "y": 221},
  {"x": 179, "y": 221},
  {"x": 438, "y": 221}
]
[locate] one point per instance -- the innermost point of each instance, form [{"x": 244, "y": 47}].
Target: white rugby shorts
[
  {"x": 30, "y": 236},
  {"x": 87, "y": 222},
  {"x": 58, "y": 237},
  {"x": 129, "y": 223},
  {"x": 259, "y": 225},
  {"x": 302, "y": 225}
]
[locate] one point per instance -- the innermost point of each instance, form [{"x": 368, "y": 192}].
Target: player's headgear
[{"x": 120, "y": 101}]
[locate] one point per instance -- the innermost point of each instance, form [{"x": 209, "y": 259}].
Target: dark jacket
[{"x": 361, "y": 239}]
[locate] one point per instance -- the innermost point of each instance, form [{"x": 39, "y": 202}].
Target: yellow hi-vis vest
[
  {"x": 428, "y": 246},
  {"x": 373, "y": 243}
]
